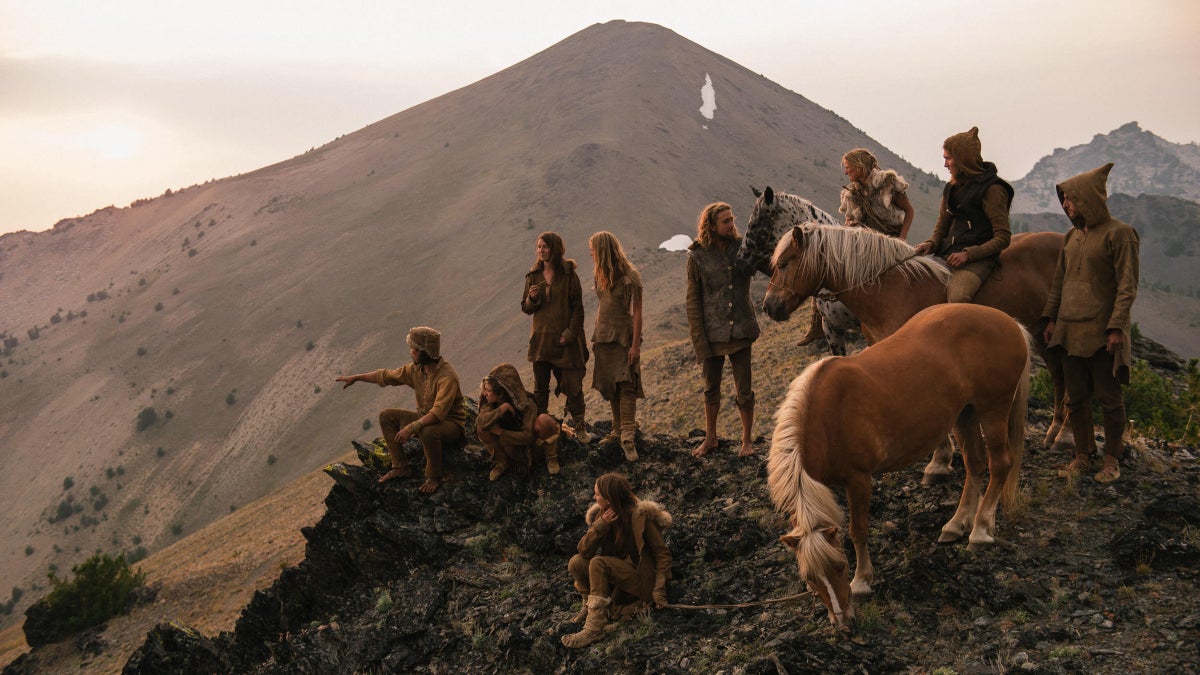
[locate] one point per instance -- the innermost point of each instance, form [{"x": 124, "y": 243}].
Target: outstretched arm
[{"x": 347, "y": 380}]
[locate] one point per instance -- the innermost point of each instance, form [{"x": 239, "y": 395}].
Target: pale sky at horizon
[{"x": 105, "y": 103}]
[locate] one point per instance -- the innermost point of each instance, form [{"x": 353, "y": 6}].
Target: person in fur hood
[
  {"x": 622, "y": 555},
  {"x": 972, "y": 226},
  {"x": 874, "y": 199},
  {"x": 1089, "y": 316},
  {"x": 509, "y": 425},
  {"x": 553, "y": 296}
]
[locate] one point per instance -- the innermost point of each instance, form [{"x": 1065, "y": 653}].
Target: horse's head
[
  {"x": 792, "y": 280},
  {"x": 759, "y": 239},
  {"x": 824, "y": 568}
]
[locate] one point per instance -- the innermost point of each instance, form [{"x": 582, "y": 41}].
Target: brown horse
[
  {"x": 883, "y": 282},
  {"x": 962, "y": 367}
]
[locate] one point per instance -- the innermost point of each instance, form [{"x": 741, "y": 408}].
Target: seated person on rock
[
  {"x": 440, "y": 418},
  {"x": 509, "y": 425},
  {"x": 622, "y": 562}
]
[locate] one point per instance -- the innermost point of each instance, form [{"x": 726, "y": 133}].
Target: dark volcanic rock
[
  {"x": 473, "y": 578},
  {"x": 175, "y": 648}
]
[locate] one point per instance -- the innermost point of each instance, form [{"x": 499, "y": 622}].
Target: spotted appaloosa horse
[
  {"x": 845, "y": 419},
  {"x": 1020, "y": 287},
  {"x": 837, "y": 322}
]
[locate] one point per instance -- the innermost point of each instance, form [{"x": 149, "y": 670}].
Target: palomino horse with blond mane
[
  {"x": 883, "y": 282},
  {"x": 962, "y": 367}
]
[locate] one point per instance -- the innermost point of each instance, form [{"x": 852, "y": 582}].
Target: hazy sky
[{"x": 106, "y": 102}]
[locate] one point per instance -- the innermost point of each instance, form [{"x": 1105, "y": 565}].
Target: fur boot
[
  {"x": 593, "y": 628},
  {"x": 583, "y": 610},
  {"x": 629, "y": 426},
  {"x": 501, "y": 466},
  {"x": 614, "y": 436},
  {"x": 580, "y": 428},
  {"x": 550, "y": 447},
  {"x": 815, "y": 329}
]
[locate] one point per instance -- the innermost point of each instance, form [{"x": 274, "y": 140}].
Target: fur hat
[
  {"x": 427, "y": 340},
  {"x": 966, "y": 150}
]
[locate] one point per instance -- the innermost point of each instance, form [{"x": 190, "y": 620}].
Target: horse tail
[
  {"x": 1016, "y": 425},
  {"x": 792, "y": 490}
]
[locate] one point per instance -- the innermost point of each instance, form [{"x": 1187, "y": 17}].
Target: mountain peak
[{"x": 1145, "y": 164}]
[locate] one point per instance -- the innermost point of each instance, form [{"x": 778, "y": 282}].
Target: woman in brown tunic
[
  {"x": 617, "y": 338},
  {"x": 553, "y": 296}
]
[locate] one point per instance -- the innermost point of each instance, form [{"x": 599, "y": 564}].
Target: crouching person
[
  {"x": 509, "y": 425},
  {"x": 623, "y": 554}
]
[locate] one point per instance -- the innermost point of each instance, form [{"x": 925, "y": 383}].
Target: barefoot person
[
  {"x": 1089, "y": 313},
  {"x": 622, "y": 557},
  {"x": 553, "y": 296},
  {"x": 509, "y": 425},
  {"x": 721, "y": 320},
  {"x": 440, "y": 417},
  {"x": 617, "y": 338}
]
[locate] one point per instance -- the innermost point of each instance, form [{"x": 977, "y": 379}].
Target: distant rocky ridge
[{"x": 1145, "y": 164}]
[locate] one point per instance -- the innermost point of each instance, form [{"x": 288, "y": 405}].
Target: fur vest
[
  {"x": 873, "y": 205},
  {"x": 653, "y": 556},
  {"x": 718, "y": 298}
]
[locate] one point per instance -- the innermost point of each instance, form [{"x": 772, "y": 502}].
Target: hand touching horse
[{"x": 844, "y": 419}]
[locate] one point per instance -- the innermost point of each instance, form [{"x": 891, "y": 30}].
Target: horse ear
[
  {"x": 756, "y": 192},
  {"x": 790, "y": 540},
  {"x": 830, "y": 534},
  {"x": 769, "y": 196},
  {"x": 797, "y": 233}
]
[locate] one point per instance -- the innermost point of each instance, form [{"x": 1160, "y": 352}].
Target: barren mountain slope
[{"x": 229, "y": 307}]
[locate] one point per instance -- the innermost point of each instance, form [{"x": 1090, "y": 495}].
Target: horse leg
[
  {"x": 1000, "y": 464},
  {"x": 1059, "y": 436},
  {"x": 938, "y": 468},
  {"x": 968, "y": 435},
  {"x": 858, "y": 498}
]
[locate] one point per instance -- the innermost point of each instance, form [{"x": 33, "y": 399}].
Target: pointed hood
[
  {"x": 1089, "y": 193},
  {"x": 967, "y": 152},
  {"x": 506, "y": 376}
]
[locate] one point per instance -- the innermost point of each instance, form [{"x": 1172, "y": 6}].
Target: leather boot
[
  {"x": 614, "y": 436},
  {"x": 583, "y": 610},
  {"x": 629, "y": 426},
  {"x": 815, "y": 330},
  {"x": 550, "y": 447},
  {"x": 1078, "y": 466},
  {"x": 580, "y": 428},
  {"x": 593, "y": 628},
  {"x": 501, "y": 466}
]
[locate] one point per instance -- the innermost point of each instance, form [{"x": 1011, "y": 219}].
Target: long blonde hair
[
  {"x": 706, "y": 225},
  {"x": 611, "y": 262}
]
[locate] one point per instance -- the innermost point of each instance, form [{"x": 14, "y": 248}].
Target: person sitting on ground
[
  {"x": 972, "y": 226},
  {"x": 440, "y": 417},
  {"x": 721, "y": 320},
  {"x": 1089, "y": 317},
  {"x": 622, "y": 552},
  {"x": 509, "y": 425}
]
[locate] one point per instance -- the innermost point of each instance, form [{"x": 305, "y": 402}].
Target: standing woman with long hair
[
  {"x": 553, "y": 296},
  {"x": 617, "y": 338},
  {"x": 623, "y": 548}
]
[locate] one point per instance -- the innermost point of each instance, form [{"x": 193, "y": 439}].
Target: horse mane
[
  {"x": 808, "y": 212},
  {"x": 850, "y": 257}
]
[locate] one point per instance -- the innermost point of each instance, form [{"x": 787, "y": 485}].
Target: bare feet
[
  {"x": 403, "y": 472},
  {"x": 430, "y": 486},
  {"x": 747, "y": 449},
  {"x": 710, "y": 442}
]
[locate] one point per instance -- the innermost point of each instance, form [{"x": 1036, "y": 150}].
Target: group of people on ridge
[{"x": 623, "y": 552}]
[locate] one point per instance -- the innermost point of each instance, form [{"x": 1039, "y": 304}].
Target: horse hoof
[
  {"x": 979, "y": 546},
  {"x": 859, "y": 589},
  {"x": 949, "y": 537},
  {"x": 931, "y": 479}
]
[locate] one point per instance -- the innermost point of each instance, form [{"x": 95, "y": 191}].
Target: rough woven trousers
[
  {"x": 739, "y": 363},
  {"x": 593, "y": 576},
  {"x": 433, "y": 437}
]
